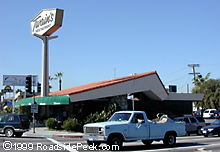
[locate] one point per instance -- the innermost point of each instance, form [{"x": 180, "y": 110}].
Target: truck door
[{"x": 138, "y": 128}]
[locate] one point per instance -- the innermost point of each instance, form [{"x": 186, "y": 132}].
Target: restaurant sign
[{"x": 47, "y": 22}]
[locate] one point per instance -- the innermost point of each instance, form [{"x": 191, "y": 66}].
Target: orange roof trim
[{"x": 99, "y": 84}]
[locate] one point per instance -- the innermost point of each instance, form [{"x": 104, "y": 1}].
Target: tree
[
  {"x": 58, "y": 76},
  {"x": 211, "y": 90}
]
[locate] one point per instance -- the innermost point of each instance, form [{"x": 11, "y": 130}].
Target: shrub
[
  {"x": 104, "y": 115},
  {"x": 71, "y": 124},
  {"x": 51, "y": 123},
  {"x": 24, "y": 110}
]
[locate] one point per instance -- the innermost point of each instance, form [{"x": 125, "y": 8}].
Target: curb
[{"x": 67, "y": 136}]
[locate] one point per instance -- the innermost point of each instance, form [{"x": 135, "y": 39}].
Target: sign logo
[
  {"x": 8, "y": 88},
  {"x": 47, "y": 22}
]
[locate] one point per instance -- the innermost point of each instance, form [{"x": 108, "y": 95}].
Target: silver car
[{"x": 193, "y": 123}]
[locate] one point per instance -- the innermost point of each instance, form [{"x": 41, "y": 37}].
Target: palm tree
[
  {"x": 50, "y": 79},
  {"x": 58, "y": 76}
]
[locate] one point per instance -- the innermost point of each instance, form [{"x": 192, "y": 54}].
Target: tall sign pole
[
  {"x": 45, "y": 68},
  {"x": 13, "y": 101},
  {"x": 42, "y": 26},
  {"x": 45, "y": 64}
]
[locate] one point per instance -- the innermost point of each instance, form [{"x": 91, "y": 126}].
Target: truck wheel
[
  {"x": 147, "y": 142},
  {"x": 115, "y": 140},
  {"x": 170, "y": 140},
  {"x": 9, "y": 132},
  {"x": 95, "y": 143}
]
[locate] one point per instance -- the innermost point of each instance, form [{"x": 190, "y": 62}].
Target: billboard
[{"x": 18, "y": 80}]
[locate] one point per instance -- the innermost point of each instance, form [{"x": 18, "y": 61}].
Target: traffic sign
[{"x": 34, "y": 108}]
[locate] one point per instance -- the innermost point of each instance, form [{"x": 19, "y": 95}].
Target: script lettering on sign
[
  {"x": 43, "y": 23},
  {"x": 47, "y": 22}
]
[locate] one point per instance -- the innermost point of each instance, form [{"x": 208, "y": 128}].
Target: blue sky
[{"x": 101, "y": 39}]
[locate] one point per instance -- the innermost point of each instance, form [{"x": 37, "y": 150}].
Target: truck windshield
[{"x": 120, "y": 117}]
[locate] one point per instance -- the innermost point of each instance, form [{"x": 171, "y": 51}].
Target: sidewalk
[{"x": 45, "y": 132}]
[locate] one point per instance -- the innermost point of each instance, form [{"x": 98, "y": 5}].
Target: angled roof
[{"x": 100, "y": 84}]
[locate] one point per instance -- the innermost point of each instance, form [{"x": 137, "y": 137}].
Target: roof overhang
[{"x": 184, "y": 97}]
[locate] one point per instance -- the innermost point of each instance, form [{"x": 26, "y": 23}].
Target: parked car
[
  {"x": 198, "y": 112},
  {"x": 212, "y": 129},
  {"x": 209, "y": 113},
  {"x": 193, "y": 123},
  {"x": 14, "y": 124},
  {"x": 217, "y": 114}
]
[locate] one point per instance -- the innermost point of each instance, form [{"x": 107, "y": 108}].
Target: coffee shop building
[{"x": 144, "y": 91}]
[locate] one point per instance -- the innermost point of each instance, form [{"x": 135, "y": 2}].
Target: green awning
[{"x": 50, "y": 100}]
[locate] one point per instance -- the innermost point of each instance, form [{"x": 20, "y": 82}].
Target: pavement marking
[
  {"x": 62, "y": 145},
  {"x": 203, "y": 150},
  {"x": 178, "y": 148}
]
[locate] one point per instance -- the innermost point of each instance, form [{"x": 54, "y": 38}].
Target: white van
[{"x": 209, "y": 113}]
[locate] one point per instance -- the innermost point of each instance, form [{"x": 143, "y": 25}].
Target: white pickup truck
[{"x": 125, "y": 126}]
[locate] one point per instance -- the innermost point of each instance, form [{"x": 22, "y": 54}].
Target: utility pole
[{"x": 193, "y": 70}]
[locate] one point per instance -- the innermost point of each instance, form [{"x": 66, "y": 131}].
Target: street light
[{"x": 133, "y": 99}]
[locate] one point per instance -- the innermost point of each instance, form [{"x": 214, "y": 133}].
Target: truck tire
[
  {"x": 115, "y": 140},
  {"x": 9, "y": 132},
  {"x": 95, "y": 143},
  {"x": 147, "y": 142},
  {"x": 169, "y": 139}
]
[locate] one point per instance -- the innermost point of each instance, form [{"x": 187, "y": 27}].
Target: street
[
  {"x": 189, "y": 144},
  {"x": 34, "y": 144}
]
